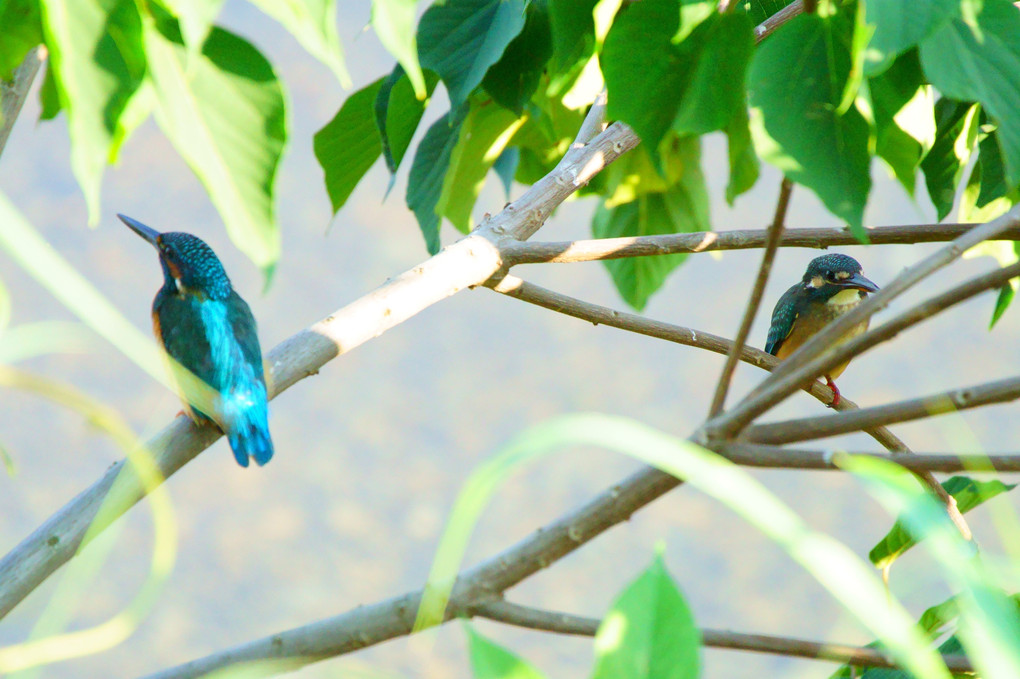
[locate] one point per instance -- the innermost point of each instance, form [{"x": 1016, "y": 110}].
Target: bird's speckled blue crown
[
  {"x": 200, "y": 269},
  {"x": 833, "y": 263}
]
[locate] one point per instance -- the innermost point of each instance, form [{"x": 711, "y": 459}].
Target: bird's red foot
[{"x": 835, "y": 391}]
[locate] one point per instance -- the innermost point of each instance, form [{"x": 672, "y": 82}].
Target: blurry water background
[{"x": 371, "y": 453}]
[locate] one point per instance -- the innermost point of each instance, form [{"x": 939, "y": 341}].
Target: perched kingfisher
[
  {"x": 832, "y": 286},
  {"x": 207, "y": 328}
]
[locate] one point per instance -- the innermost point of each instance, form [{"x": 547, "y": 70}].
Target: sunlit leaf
[
  {"x": 461, "y": 39},
  {"x": 8, "y": 462},
  {"x": 489, "y": 660},
  {"x": 649, "y": 631},
  {"x": 95, "y": 51},
  {"x": 903, "y": 107},
  {"x": 393, "y": 21},
  {"x": 314, "y": 24},
  {"x": 968, "y": 493},
  {"x": 482, "y": 138},
  {"x": 955, "y": 136},
  {"x": 989, "y": 621},
  {"x": 196, "y": 18},
  {"x": 224, "y": 112},
  {"x": 348, "y": 145},
  {"x": 22, "y": 30},
  {"x": 804, "y": 66},
  {"x": 982, "y": 63},
  {"x": 852, "y": 582},
  {"x": 428, "y": 173}
]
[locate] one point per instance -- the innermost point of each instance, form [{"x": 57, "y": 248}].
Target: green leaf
[
  {"x": 196, "y": 19},
  {"x": 393, "y": 21},
  {"x": 900, "y": 26},
  {"x": 641, "y": 203},
  {"x": 348, "y": 145},
  {"x": 744, "y": 164},
  {"x": 397, "y": 114},
  {"x": 483, "y": 136},
  {"x": 514, "y": 78},
  {"x": 955, "y": 134},
  {"x": 313, "y": 23},
  {"x": 137, "y": 111},
  {"x": 648, "y": 76},
  {"x": 936, "y": 619},
  {"x": 982, "y": 63},
  {"x": 1006, "y": 294},
  {"x": 49, "y": 100},
  {"x": 225, "y": 113},
  {"x": 573, "y": 32},
  {"x": 648, "y": 632},
  {"x": 797, "y": 80},
  {"x": 717, "y": 91},
  {"x": 22, "y": 30},
  {"x": 993, "y": 175},
  {"x": 489, "y": 660},
  {"x": 904, "y": 111},
  {"x": 461, "y": 39},
  {"x": 428, "y": 173},
  {"x": 849, "y": 579},
  {"x": 97, "y": 63},
  {"x": 8, "y": 462},
  {"x": 968, "y": 493},
  {"x": 505, "y": 167}
]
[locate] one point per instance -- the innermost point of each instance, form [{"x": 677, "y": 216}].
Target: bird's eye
[{"x": 830, "y": 275}]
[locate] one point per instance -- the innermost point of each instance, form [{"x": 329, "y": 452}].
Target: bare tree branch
[
  {"x": 534, "y": 294},
  {"x": 372, "y": 624},
  {"x": 14, "y": 93},
  {"x": 746, "y": 239},
  {"x": 770, "y": 25},
  {"x": 780, "y": 457},
  {"x": 808, "y": 428},
  {"x": 470, "y": 261},
  {"x": 564, "y": 623},
  {"x": 798, "y": 367},
  {"x": 754, "y": 300}
]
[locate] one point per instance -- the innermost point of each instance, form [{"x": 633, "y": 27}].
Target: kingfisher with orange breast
[
  {"x": 832, "y": 286},
  {"x": 205, "y": 326}
]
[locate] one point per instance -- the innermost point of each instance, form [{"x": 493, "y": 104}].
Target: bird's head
[
  {"x": 829, "y": 275},
  {"x": 189, "y": 265}
]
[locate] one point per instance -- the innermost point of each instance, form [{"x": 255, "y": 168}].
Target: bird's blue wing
[{"x": 783, "y": 317}]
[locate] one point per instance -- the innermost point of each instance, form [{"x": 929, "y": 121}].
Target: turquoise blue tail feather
[{"x": 205, "y": 326}]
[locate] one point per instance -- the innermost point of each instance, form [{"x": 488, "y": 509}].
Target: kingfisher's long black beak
[
  {"x": 858, "y": 281},
  {"x": 142, "y": 230}
]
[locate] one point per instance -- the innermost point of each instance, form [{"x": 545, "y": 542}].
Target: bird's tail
[{"x": 249, "y": 437}]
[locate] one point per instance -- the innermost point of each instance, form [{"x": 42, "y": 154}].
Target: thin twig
[
  {"x": 564, "y": 623},
  {"x": 741, "y": 239},
  {"x": 534, "y": 294},
  {"x": 14, "y": 93},
  {"x": 754, "y": 300},
  {"x": 799, "y": 367},
  {"x": 808, "y": 428},
  {"x": 781, "y": 457},
  {"x": 594, "y": 122},
  {"x": 770, "y": 25}
]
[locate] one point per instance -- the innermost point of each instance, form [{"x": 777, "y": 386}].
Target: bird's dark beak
[
  {"x": 860, "y": 282},
  {"x": 142, "y": 230}
]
